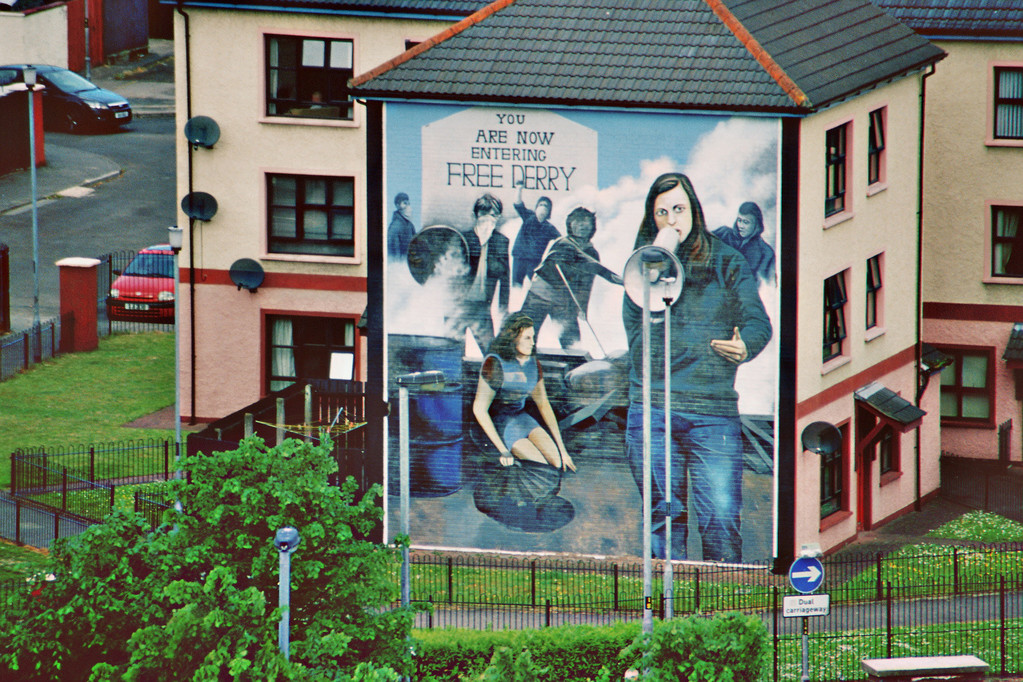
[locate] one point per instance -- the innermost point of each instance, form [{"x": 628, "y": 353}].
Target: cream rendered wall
[
  {"x": 883, "y": 222},
  {"x": 227, "y": 84},
  {"x": 963, "y": 175},
  {"x": 39, "y": 37},
  {"x": 882, "y": 219},
  {"x": 962, "y": 172}
]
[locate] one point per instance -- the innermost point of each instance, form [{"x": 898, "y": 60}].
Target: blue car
[{"x": 70, "y": 102}]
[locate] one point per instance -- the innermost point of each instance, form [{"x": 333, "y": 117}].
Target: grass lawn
[
  {"x": 88, "y": 397},
  {"x": 18, "y": 562}
]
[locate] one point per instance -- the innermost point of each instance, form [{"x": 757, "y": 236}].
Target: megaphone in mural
[{"x": 438, "y": 250}]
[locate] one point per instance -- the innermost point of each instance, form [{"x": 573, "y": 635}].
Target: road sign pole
[{"x": 806, "y": 652}]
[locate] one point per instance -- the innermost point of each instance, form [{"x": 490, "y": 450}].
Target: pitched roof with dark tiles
[
  {"x": 761, "y": 55},
  {"x": 450, "y": 8},
  {"x": 959, "y": 18}
]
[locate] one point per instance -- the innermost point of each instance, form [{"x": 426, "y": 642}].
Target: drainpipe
[
  {"x": 917, "y": 503},
  {"x": 191, "y": 221}
]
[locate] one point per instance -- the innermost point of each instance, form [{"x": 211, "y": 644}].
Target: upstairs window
[
  {"x": 834, "y": 315},
  {"x": 1008, "y": 103},
  {"x": 308, "y": 77},
  {"x": 875, "y": 147},
  {"x": 967, "y": 386},
  {"x": 311, "y": 214},
  {"x": 873, "y": 292},
  {"x": 836, "y": 158},
  {"x": 1007, "y": 241}
]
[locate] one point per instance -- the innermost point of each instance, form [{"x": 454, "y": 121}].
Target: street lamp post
[
  {"x": 30, "y": 83},
  {"x": 286, "y": 540},
  {"x": 175, "y": 237}
]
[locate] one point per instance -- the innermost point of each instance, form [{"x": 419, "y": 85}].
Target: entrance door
[{"x": 864, "y": 459}]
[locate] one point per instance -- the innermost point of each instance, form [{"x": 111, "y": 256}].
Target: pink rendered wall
[
  {"x": 895, "y": 496},
  {"x": 981, "y": 442},
  {"x": 230, "y": 340}
]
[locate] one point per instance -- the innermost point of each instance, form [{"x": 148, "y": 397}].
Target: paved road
[{"x": 128, "y": 211}]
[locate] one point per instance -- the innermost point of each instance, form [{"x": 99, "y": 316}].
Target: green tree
[{"x": 196, "y": 598}]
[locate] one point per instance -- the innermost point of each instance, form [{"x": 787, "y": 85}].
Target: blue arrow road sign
[{"x": 806, "y": 574}]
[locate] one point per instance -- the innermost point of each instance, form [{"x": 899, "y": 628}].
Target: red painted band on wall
[
  {"x": 846, "y": 387},
  {"x": 973, "y": 312},
  {"x": 281, "y": 280}
]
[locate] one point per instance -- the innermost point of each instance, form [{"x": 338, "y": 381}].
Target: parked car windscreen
[
  {"x": 151, "y": 265},
  {"x": 68, "y": 81}
]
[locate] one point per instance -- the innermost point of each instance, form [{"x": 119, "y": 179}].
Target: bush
[
  {"x": 727, "y": 648},
  {"x": 195, "y": 599},
  {"x": 568, "y": 653}
]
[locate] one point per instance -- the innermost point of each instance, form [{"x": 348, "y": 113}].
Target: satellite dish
[
  {"x": 662, "y": 269},
  {"x": 438, "y": 246},
  {"x": 199, "y": 205},
  {"x": 202, "y": 131},
  {"x": 247, "y": 274},
  {"x": 823, "y": 438}
]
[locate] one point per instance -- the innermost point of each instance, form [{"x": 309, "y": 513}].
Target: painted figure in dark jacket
[
  {"x": 401, "y": 230},
  {"x": 561, "y": 285},
  {"x": 488, "y": 272},
  {"x": 717, "y": 323},
  {"x": 533, "y": 237},
  {"x": 746, "y": 237}
]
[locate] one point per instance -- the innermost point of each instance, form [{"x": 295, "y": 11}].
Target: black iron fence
[
  {"x": 922, "y": 608},
  {"x": 21, "y": 350},
  {"x": 43, "y": 469},
  {"x": 82, "y": 482},
  {"x": 944, "y": 599}
]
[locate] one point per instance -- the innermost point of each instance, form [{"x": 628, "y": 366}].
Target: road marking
[{"x": 76, "y": 192}]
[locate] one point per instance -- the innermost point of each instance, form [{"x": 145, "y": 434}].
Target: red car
[{"x": 144, "y": 292}]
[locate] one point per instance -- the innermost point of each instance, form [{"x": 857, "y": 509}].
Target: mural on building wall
[{"x": 507, "y": 253}]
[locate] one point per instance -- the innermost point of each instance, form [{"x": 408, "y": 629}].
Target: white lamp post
[
  {"x": 653, "y": 270},
  {"x": 30, "y": 83}
]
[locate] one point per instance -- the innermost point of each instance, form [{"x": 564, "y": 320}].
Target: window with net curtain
[
  {"x": 311, "y": 214},
  {"x": 1007, "y": 241},
  {"x": 303, "y": 348},
  {"x": 1008, "y": 107}
]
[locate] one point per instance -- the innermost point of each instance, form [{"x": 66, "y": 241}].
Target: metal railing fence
[
  {"x": 21, "y": 350},
  {"x": 40, "y": 469}
]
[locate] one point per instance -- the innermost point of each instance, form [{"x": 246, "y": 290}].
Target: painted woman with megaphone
[{"x": 717, "y": 323}]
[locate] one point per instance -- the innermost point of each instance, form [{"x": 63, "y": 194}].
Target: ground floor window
[
  {"x": 834, "y": 486},
  {"x": 309, "y": 348},
  {"x": 888, "y": 451},
  {"x": 967, "y": 386}
]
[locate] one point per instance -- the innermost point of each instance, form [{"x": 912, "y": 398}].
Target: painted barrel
[{"x": 435, "y": 441}]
